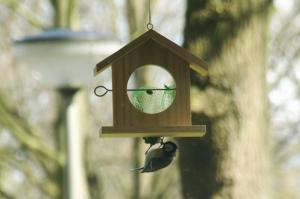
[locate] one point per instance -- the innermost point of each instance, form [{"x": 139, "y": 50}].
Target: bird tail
[{"x": 137, "y": 169}]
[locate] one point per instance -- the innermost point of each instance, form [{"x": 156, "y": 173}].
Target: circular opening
[{"x": 151, "y": 89}]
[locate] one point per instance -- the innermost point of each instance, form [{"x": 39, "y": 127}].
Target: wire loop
[
  {"x": 149, "y": 26},
  {"x": 104, "y": 91}
]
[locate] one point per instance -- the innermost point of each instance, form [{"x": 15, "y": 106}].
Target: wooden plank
[
  {"x": 203, "y": 72},
  {"x": 185, "y": 103},
  {"x": 167, "y": 131},
  {"x": 119, "y": 86}
]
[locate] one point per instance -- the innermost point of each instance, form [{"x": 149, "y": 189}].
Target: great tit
[{"x": 159, "y": 158}]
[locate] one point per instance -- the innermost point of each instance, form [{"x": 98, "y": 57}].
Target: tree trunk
[
  {"x": 64, "y": 16},
  {"x": 233, "y": 159}
]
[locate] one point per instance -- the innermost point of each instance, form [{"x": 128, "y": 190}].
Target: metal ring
[
  {"x": 103, "y": 87},
  {"x": 149, "y": 26}
]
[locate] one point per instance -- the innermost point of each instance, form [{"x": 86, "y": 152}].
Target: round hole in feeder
[{"x": 151, "y": 89}]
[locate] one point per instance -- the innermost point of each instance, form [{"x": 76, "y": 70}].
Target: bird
[{"x": 158, "y": 158}]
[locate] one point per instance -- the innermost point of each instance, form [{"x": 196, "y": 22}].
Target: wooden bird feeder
[{"x": 151, "y": 48}]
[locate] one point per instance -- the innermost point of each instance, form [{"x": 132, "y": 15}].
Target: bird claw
[
  {"x": 152, "y": 141},
  {"x": 148, "y": 149}
]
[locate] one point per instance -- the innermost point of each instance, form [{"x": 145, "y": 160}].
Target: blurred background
[{"x": 50, "y": 117}]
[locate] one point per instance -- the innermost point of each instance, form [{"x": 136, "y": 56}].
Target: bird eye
[{"x": 170, "y": 147}]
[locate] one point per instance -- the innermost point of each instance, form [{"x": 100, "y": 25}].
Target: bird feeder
[{"x": 161, "y": 109}]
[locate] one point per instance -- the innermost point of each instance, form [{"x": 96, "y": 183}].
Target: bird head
[{"x": 170, "y": 147}]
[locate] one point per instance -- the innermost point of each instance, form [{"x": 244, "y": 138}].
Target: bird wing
[
  {"x": 153, "y": 153},
  {"x": 157, "y": 163}
]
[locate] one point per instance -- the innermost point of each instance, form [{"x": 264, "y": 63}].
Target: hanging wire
[
  {"x": 103, "y": 90},
  {"x": 149, "y": 24}
]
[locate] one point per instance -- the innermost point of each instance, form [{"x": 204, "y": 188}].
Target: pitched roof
[{"x": 196, "y": 63}]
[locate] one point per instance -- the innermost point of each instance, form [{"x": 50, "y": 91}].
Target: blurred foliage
[
  {"x": 284, "y": 95},
  {"x": 30, "y": 159}
]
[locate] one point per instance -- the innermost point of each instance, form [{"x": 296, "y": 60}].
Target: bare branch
[
  {"x": 5, "y": 195},
  {"x": 47, "y": 186},
  {"x": 11, "y": 120},
  {"x": 24, "y": 12}
]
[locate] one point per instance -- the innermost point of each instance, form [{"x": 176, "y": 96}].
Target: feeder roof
[{"x": 196, "y": 64}]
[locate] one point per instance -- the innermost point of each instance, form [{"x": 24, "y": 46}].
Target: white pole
[{"x": 77, "y": 176}]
